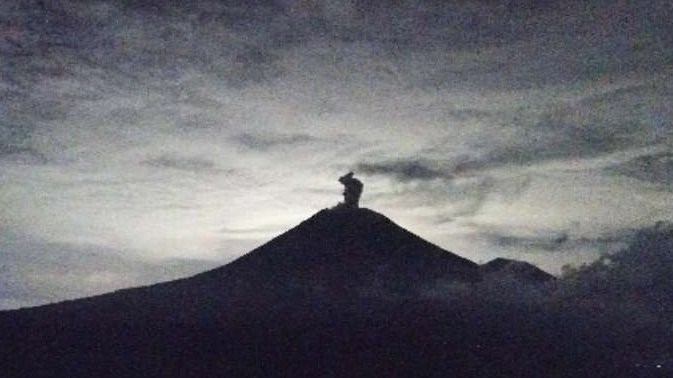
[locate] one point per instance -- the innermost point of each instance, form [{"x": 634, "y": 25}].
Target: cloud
[
  {"x": 18, "y": 117},
  {"x": 656, "y": 168},
  {"x": 263, "y": 142},
  {"x": 118, "y": 115},
  {"x": 252, "y": 66},
  {"x": 631, "y": 282},
  {"x": 545, "y": 241},
  {"x": 445, "y": 187},
  {"x": 625, "y": 294},
  {"x": 641, "y": 263},
  {"x": 551, "y": 243},
  {"x": 618, "y": 119},
  {"x": 624, "y": 297},
  {"x": 36, "y": 272},
  {"x": 571, "y": 134},
  {"x": 189, "y": 164},
  {"x": 403, "y": 170},
  {"x": 22, "y": 154}
]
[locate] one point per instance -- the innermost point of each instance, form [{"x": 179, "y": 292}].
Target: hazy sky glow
[{"x": 147, "y": 142}]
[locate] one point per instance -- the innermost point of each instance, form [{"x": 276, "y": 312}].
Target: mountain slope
[
  {"x": 346, "y": 249},
  {"x": 333, "y": 257},
  {"x": 346, "y": 293},
  {"x": 338, "y": 264},
  {"x": 516, "y": 270}
]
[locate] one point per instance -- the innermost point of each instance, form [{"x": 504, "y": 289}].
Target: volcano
[
  {"x": 346, "y": 293},
  {"x": 345, "y": 251}
]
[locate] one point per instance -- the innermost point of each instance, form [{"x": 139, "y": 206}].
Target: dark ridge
[
  {"x": 346, "y": 293},
  {"x": 518, "y": 270},
  {"x": 352, "y": 244},
  {"x": 339, "y": 253}
]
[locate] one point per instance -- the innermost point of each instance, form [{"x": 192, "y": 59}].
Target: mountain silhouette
[
  {"x": 345, "y": 251},
  {"x": 346, "y": 293},
  {"x": 515, "y": 269}
]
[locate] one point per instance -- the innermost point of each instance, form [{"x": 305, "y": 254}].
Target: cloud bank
[{"x": 150, "y": 127}]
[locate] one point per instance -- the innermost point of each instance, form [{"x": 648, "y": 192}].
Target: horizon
[{"x": 148, "y": 141}]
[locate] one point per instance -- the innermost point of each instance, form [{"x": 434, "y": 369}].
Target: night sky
[{"x": 143, "y": 141}]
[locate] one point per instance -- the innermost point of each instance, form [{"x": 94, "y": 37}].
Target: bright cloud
[{"x": 199, "y": 130}]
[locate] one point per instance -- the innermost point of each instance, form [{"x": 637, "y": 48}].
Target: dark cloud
[
  {"x": 15, "y": 143},
  {"x": 267, "y": 141},
  {"x": 254, "y": 65},
  {"x": 627, "y": 293},
  {"x": 139, "y": 41},
  {"x": 551, "y": 243},
  {"x": 22, "y": 154},
  {"x": 191, "y": 164},
  {"x": 458, "y": 189},
  {"x": 655, "y": 168},
  {"x": 403, "y": 170},
  {"x": 561, "y": 138},
  {"x": 15, "y": 124},
  {"x": 466, "y": 114},
  {"x": 628, "y": 117},
  {"x": 633, "y": 281},
  {"x": 547, "y": 241}
]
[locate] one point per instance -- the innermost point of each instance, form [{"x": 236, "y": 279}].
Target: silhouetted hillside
[
  {"x": 517, "y": 270},
  {"x": 346, "y": 293},
  {"x": 347, "y": 250}
]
